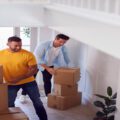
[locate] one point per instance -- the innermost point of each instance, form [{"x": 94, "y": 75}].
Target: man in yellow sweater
[{"x": 19, "y": 66}]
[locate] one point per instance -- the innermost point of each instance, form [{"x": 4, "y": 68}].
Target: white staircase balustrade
[{"x": 108, "y": 6}]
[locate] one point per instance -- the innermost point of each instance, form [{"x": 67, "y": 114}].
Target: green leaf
[
  {"x": 101, "y": 96},
  {"x": 111, "y": 117},
  {"x": 112, "y": 102},
  {"x": 100, "y": 114},
  {"x": 99, "y": 104},
  {"x": 111, "y": 109},
  {"x": 114, "y": 96},
  {"x": 107, "y": 101},
  {"x": 109, "y": 91}
]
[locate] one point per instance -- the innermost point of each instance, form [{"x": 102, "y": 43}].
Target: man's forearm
[
  {"x": 49, "y": 69},
  {"x": 30, "y": 73},
  {"x": 45, "y": 66}
]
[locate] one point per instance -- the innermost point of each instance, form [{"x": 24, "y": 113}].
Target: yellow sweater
[{"x": 16, "y": 64}]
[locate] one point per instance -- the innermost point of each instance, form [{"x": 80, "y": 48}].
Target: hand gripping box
[
  {"x": 1, "y": 74},
  {"x": 67, "y": 76}
]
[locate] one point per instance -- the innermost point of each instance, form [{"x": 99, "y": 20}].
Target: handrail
[{"x": 107, "y": 6}]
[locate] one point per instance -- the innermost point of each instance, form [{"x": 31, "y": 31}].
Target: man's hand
[
  {"x": 14, "y": 80},
  {"x": 51, "y": 70}
]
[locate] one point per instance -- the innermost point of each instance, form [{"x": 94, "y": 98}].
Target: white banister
[
  {"x": 112, "y": 6},
  {"x": 107, "y": 6},
  {"x": 97, "y": 4},
  {"x": 89, "y": 3},
  {"x": 85, "y": 3},
  {"x": 93, "y": 4},
  {"x": 117, "y": 5}
]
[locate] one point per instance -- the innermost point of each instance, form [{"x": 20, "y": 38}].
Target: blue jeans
[
  {"x": 23, "y": 92},
  {"x": 32, "y": 90}
]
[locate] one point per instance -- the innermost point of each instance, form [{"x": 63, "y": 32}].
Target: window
[
  {"x": 25, "y": 36},
  {"x": 5, "y": 33}
]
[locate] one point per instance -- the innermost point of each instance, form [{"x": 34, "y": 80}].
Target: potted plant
[{"x": 107, "y": 105}]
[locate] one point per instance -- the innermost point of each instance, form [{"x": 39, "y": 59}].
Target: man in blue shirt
[{"x": 50, "y": 54}]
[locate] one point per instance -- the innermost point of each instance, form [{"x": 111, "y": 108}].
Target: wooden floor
[{"x": 81, "y": 112}]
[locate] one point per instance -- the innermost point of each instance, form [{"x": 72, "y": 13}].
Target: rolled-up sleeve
[{"x": 39, "y": 53}]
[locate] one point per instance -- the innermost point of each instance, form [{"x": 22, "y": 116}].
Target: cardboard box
[
  {"x": 1, "y": 74},
  {"x": 65, "y": 90},
  {"x": 11, "y": 110},
  {"x": 63, "y": 102},
  {"x": 13, "y": 113},
  {"x": 67, "y": 76},
  {"x": 3, "y": 97},
  {"x": 14, "y": 116}
]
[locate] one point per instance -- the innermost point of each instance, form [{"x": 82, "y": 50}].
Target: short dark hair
[
  {"x": 62, "y": 36},
  {"x": 14, "y": 38}
]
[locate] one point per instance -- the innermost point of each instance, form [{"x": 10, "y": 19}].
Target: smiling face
[
  {"x": 59, "y": 42},
  {"x": 14, "y": 46}
]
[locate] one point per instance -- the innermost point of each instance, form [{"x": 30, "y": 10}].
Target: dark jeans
[
  {"x": 23, "y": 92},
  {"x": 32, "y": 90},
  {"x": 47, "y": 81}
]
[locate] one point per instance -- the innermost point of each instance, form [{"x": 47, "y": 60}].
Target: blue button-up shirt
[{"x": 41, "y": 54}]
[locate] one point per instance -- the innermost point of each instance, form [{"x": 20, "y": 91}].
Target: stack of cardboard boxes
[
  {"x": 65, "y": 93},
  {"x": 6, "y": 113}
]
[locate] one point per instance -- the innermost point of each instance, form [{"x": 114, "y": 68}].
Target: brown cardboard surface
[
  {"x": 64, "y": 102},
  {"x": 11, "y": 110},
  {"x": 1, "y": 74},
  {"x": 3, "y": 97},
  {"x": 67, "y": 76},
  {"x": 65, "y": 90},
  {"x": 52, "y": 101},
  {"x": 14, "y": 116}
]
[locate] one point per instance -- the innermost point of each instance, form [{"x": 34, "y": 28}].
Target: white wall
[
  {"x": 33, "y": 38},
  {"x": 78, "y": 54},
  {"x": 16, "y": 15},
  {"x": 102, "y": 70},
  {"x": 98, "y": 69}
]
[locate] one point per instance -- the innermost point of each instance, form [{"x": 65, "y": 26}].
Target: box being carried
[
  {"x": 67, "y": 76},
  {"x": 11, "y": 110},
  {"x": 14, "y": 113},
  {"x": 3, "y": 97},
  {"x": 14, "y": 116},
  {"x": 1, "y": 74}
]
